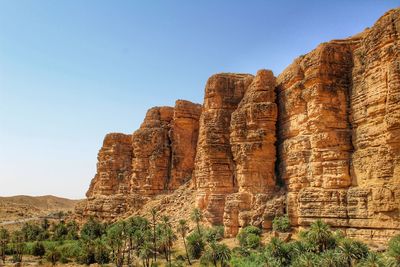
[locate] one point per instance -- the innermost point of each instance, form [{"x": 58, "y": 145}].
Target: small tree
[
  {"x": 320, "y": 235},
  {"x": 4, "y": 239},
  {"x": 394, "y": 250},
  {"x": 183, "y": 228},
  {"x": 249, "y": 237},
  {"x": 216, "y": 253},
  {"x": 195, "y": 244},
  {"x": 45, "y": 224},
  {"x": 18, "y": 246},
  {"x": 92, "y": 229},
  {"x": 53, "y": 255},
  {"x": 281, "y": 224},
  {"x": 38, "y": 249},
  {"x": 196, "y": 217},
  {"x": 154, "y": 224},
  {"x": 60, "y": 231},
  {"x": 101, "y": 252}
]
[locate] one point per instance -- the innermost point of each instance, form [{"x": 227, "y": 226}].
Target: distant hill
[{"x": 21, "y": 207}]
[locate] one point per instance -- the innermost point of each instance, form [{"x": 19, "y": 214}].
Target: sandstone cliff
[{"x": 322, "y": 140}]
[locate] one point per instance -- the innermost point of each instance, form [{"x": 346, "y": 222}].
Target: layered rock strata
[
  {"x": 320, "y": 141},
  {"x": 339, "y": 132},
  {"x": 157, "y": 158}
]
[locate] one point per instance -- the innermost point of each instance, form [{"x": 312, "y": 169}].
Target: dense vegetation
[{"x": 141, "y": 242}]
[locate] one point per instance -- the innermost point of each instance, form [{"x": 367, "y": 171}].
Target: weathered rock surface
[
  {"x": 320, "y": 141},
  {"x": 339, "y": 132},
  {"x": 157, "y": 158}
]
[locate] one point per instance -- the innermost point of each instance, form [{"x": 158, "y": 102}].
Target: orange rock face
[
  {"x": 320, "y": 141},
  {"x": 157, "y": 158},
  {"x": 339, "y": 132}
]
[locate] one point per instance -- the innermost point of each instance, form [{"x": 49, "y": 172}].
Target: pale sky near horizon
[{"x": 72, "y": 71}]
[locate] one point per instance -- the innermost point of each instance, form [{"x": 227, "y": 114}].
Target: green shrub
[
  {"x": 38, "y": 249},
  {"x": 70, "y": 250},
  {"x": 281, "y": 224},
  {"x": 101, "y": 253},
  {"x": 216, "y": 233},
  {"x": 249, "y": 237},
  {"x": 195, "y": 244},
  {"x": 53, "y": 255}
]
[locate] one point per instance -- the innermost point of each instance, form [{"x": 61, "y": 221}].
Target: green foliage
[
  {"x": 374, "y": 260},
  {"x": 18, "y": 245},
  {"x": 281, "y": 224},
  {"x": 196, "y": 244},
  {"x": 278, "y": 250},
  {"x": 31, "y": 232},
  {"x": 4, "y": 240},
  {"x": 53, "y": 255},
  {"x": 38, "y": 249},
  {"x": 196, "y": 217},
  {"x": 308, "y": 259},
  {"x": 87, "y": 254},
  {"x": 254, "y": 259},
  {"x": 352, "y": 251},
  {"x": 216, "y": 253},
  {"x": 60, "y": 231},
  {"x": 216, "y": 233},
  {"x": 319, "y": 236},
  {"x": 70, "y": 249},
  {"x": 331, "y": 258},
  {"x": 249, "y": 237},
  {"x": 92, "y": 229},
  {"x": 394, "y": 250},
  {"x": 101, "y": 252}
]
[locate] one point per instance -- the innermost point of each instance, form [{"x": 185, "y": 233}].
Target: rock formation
[
  {"x": 339, "y": 131},
  {"x": 157, "y": 158},
  {"x": 320, "y": 141}
]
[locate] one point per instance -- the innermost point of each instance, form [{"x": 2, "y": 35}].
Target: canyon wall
[
  {"x": 320, "y": 141},
  {"x": 155, "y": 159}
]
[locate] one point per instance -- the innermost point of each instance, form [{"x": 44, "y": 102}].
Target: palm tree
[
  {"x": 279, "y": 250},
  {"x": 115, "y": 239},
  {"x": 308, "y": 259},
  {"x": 216, "y": 253},
  {"x": 183, "y": 230},
  {"x": 352, "y": 251},
  {"x": 167, "y": 237},
  {"x": 394, "y": 250},
  {"x": 18, "y": 245},
  {"x": 4, "y": 239},
  {"x": 224, "y": 254},
  {"x": 331, "y": 258},
  {"x": 196, "y": 217},
  {"x": 154, "y": 217},
  {"x": 320, "y": 235},
  {"x": 373, "y": 260}
]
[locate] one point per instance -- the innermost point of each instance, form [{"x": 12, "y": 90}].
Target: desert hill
[{"x": 24, "y": 207}]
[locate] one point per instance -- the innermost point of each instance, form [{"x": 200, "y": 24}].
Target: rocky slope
[{"x": 321, "y": 140}]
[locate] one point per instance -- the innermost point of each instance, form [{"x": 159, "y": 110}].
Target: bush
[
  {"x": 195, "y": 244},
  {"x": 70, "y": 250},
  {"x": 53, "y": 255},
  {"x": 249, "y": 237},
  {"x": 216, "y": 233},
  {"x": 87, "y": 255},
  {"x": 38, "y": 249},
  {"x": 101, "y": 253},
  {"x": 31, "y": 232},
  {"x": 60, "y": 231},
  {"x": 92, "y": 229},
  {"x": 281, "y": 224}
]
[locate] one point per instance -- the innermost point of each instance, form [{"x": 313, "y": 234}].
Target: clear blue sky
[{"x": 72, "y": 71}]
